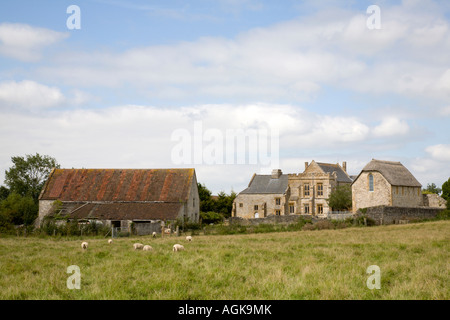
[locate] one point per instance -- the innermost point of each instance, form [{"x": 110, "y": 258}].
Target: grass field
[{"x": 326, "y": 264}]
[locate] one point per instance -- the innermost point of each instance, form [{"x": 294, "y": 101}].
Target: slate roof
[
  {"x": 342, "y": 176},
  {"x": 168, "y": 185},
  {"x": 394, "y": 172},
  {"x": 267, "y": 184}
]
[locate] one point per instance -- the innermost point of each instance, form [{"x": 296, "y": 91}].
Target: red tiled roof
[
  {"x": 128, "y": 211},
  {"x": 169, "y": 185}
]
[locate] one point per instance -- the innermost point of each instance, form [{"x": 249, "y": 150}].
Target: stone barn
[
  {"x": 122, "y": 197},
  {"x": 386, "y": 183}
]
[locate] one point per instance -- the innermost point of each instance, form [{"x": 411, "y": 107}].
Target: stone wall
[
  {"x": 434, "y": 201},
  {"x": 286, "y": 219},
  {"x": 394, "y": 215},
  {"x": 45, "y": 208}
]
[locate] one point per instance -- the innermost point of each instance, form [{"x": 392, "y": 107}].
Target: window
[
  {"x": 241, "y": 205},
  {"x": 306, "y": 189},
  {"x": 277, "y": 212},
  {"x": 255, "y": 207},
  {"x": 291, "y": 208},
  {"x": 319, "y": 208},
  {"x": 306, "y": 208},
  {"x": 256, "y": 215},
  {"x": 277, "y": 201},
  {"x": 320, "y": 189},
  {"x": 370, "y": 182}
]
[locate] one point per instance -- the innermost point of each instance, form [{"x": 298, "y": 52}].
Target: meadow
[{"x": 319, "y": 264}]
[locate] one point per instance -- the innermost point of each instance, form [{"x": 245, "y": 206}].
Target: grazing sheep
[
  {"x": 189, "y": 238},
  {"x": 110, "y": 241},
  {"x": 84, "y": 245},
  {"x": 154, "y": 234},
  {"x": 147, "y": 248},
  {"x": 138, "y": 246},
  {"x": 178, "y": 247},
  {"x": 167, "y": 231}
]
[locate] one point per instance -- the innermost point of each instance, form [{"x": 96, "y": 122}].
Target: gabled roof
[
  {"x": 267, "y": 184},
  {"x": 342, "y": 176},
  {"x": 168, "y": 185},
  {"x": 394, "y": 172}
]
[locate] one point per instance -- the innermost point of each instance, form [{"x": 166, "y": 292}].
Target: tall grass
[{"x": 316, "y": 264}]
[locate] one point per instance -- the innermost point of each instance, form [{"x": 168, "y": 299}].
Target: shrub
[{"x": 211, "y": 217}]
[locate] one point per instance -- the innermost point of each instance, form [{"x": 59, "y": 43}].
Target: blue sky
[{"x": 114, "y": 93}]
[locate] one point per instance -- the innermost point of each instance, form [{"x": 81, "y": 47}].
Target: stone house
[
  {"x": 119, "y": 197},
  {"x": 266, "y": 195},
  {"x": 291, "y": 194},
  {"x": 385, "y": 183},
  {"x": 310, "y": 190}
]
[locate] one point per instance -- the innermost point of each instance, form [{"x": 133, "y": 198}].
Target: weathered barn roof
[
  {"x": 394, "y": 172},
  {"x": 267, "y": 184},
  {"x": 128, "y": 211},
  {"x": 342, "y": 176},
  {"x": 168, "y": 185}
]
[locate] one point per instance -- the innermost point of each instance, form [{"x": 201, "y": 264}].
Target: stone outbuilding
[
  {"x": 386, "y": 183},
  {"x": 119, "y": 197}
]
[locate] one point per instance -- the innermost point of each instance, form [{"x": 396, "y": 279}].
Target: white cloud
[
  {"x": 24, "y": 42},
  {"x": 440, "y": 152},
  {"x": 29, "y": 95},
  {"x": 391, "y": 126},
  {"x": 140, "y": 137}
]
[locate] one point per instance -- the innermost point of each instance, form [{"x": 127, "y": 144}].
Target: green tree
[
  {"x": 341, "y": 198},
  {"x": 28, "y": 174},
  {"x": 446, "y": 192},
  {"x": 432, "y": 188},
  {"x": 206, "y": 202},
  {"x": 4, "y": 193},
  {"x": 224, "y": 203},
  {"x": 17, "y": 210}
]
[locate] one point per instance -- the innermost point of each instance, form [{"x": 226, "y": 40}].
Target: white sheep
[
  {"x": 110, "y": 241},
  {"x": 189, "y": 238},
  {"x": 147, "y": 248},
  {"x": 178, "y": 247},
  {"x": 84, "y": 245},
  {"x": 138, "y": 246},
  {"x": 167, "y": 231},
  {"x": 154, "y": 234}
]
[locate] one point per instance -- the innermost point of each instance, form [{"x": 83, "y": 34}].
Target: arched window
[{"x": 370, "y": 182}]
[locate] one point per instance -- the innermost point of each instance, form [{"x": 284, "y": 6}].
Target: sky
[{"x": 228, "y": 87}]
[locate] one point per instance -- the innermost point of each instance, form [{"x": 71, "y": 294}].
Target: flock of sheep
[{"x": 140, "y": 246}]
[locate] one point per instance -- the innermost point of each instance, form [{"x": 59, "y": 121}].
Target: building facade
[{"x": 310, "y": 190}]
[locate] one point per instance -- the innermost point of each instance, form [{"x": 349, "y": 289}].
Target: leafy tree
[
  {"x": 28, "y": 174},
  {"x": 211, "y": 217},
  {"x": 432, "y": 188},
  {"x": 206, "y": 201},
  {"x": 17, "y": 209},
  {"x": 341, "y": 198},
  {"x": 224, "y": 203},
  {"x": 4, "y": 193},
  {"x": 446, "y": 192}
]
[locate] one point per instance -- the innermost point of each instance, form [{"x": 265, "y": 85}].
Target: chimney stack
[
  {"x": 344, "y": 166},
  {"x": 276, "y": 173},
  {"x": 306, "y": 165}
]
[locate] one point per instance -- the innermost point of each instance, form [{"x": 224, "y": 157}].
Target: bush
[
  {"x": 443, "y": 215},
  {"x": 211, "y": 217}
]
